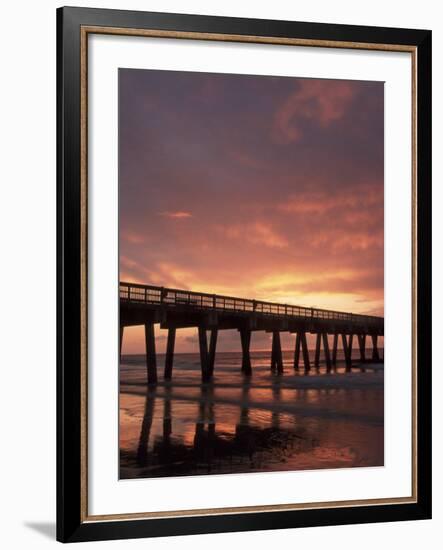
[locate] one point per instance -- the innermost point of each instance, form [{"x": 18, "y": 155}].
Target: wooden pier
[{"x": 175, "y": 309}]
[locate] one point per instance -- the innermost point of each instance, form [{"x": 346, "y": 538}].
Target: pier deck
[{"x": 174, "y": 309}]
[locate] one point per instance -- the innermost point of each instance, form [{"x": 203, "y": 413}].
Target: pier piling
[
  {"x": 304, "y": 347},
  {"x": 151, "y": 358},
  {"x": 327, "y": 353},
  {"x": 212, "y": 349},
  {"x": 334, "y": 351},
  {"x": 346, "y": 352},
  {"x": 169, "y": 359},
  {"x": 276, "y": 358},
  {"x": 245, "y": 336},
  {"x": 351, "y": 339},
  {"x": 297, "y": 351},
  {"x": 317, "y": 351},
  {"x": 204, "y": 356},
  {"x": 375, "y": 354},
  {"x": 362, "y": 347},
  {"x": 122, "y": 328}
]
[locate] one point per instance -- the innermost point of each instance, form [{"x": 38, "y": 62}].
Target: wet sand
[{"x": 267, "y": 422}]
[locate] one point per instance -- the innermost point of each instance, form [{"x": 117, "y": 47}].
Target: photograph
[{"x": 251, "y": 273}]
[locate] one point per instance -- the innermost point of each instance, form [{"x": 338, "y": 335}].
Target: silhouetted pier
[{"x": 175, "y": 309}]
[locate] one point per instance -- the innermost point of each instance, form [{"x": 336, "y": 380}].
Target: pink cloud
[
  {"x": 323, "y": 101},
  {"x": 132, "y": 237},
  {"x": 178, "y": 215},
  {"x": 355, "y": 207}
]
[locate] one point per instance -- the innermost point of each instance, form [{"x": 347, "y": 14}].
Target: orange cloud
[
  {"x": 343, "y": 241},
  {"x": 258, "y": 233}
]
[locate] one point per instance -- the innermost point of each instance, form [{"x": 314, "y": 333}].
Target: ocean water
[{"x": 238, "y": 424}]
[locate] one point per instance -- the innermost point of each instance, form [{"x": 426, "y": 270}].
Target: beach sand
[{"x": 267, "y": 422}]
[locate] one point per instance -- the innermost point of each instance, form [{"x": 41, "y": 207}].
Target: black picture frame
[{"x": 71, "y": 525}]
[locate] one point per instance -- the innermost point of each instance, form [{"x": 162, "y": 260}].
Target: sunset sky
[{"x": 252, "y": 186}]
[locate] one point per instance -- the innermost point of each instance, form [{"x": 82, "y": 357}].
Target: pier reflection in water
[{"x": 175, "y": 428}]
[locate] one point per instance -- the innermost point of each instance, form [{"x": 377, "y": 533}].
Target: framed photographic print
[{"x": 244, "y": 328}]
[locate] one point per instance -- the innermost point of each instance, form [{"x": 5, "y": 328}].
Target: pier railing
[{"x": 154, "y": 295}]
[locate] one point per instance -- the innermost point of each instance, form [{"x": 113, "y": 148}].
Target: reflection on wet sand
[{"x": 217, "y": 429}]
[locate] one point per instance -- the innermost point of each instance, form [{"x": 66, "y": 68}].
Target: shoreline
[{"x": 348, "y": 380}]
